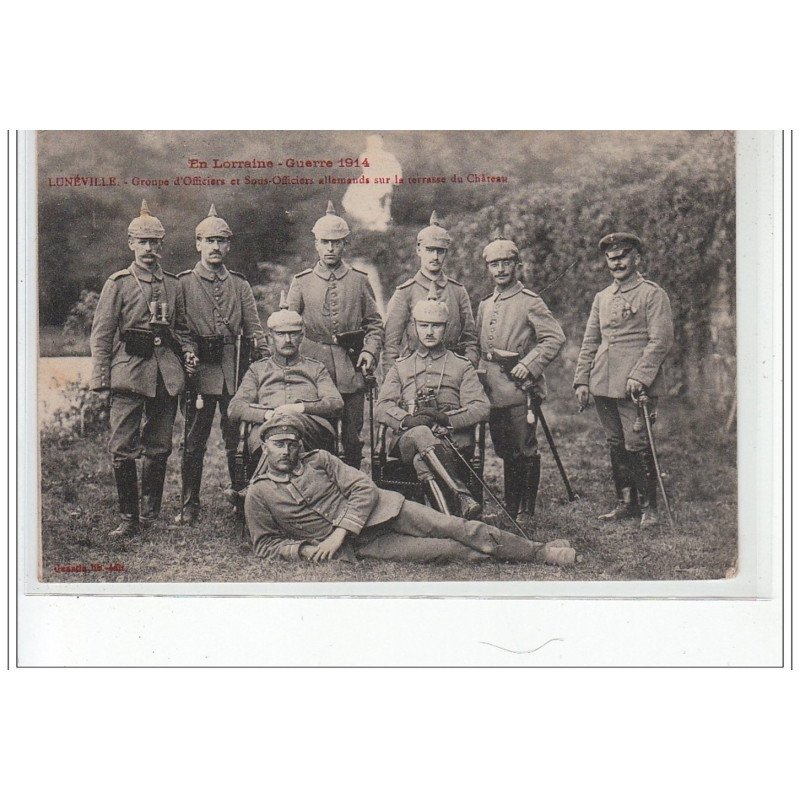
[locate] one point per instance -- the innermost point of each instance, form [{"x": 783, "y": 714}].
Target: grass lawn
[{"x": 79, "y": 508}]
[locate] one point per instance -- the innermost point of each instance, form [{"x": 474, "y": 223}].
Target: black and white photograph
[{"x": 310, "y": 357}]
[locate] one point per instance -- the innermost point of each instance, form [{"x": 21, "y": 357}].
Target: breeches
[
  {"x": 619, "y": 417},
  {"x": 200, "y": 422},
  {"x": 142, "y": 425},
  {"x": 420, "y": 534},
  {"x": 512, "y": 436}
]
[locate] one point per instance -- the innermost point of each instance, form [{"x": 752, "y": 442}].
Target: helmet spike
[
  {"x": 145, "y": 210},
  {"x": 331, "y": 208},
  {"x": 284, "y": 303},
  {"x": 212, "y": 212},
  {"x": 435, "y": 219}
]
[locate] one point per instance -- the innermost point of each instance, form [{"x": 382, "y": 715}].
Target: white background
[{"x": 384, "y": 733}]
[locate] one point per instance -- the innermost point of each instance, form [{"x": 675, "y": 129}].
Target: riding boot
[
  {"x": 531, "y": 475},
  {"x": 622, "y": 471},
  {"x": 513, "y": 485},
  {"x": 238, "y": 482},
  {"x": 647, "y": 486},
  {"x": 128, "y": 495},
  {"x": 154, "y": 471},
  {"x": 444, "y": 465},
  {"x": 192, "y": 477}
]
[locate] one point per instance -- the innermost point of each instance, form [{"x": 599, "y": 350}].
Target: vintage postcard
[{"x": 479, "y": 362}]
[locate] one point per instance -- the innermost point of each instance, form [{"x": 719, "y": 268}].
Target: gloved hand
[
  {"x": 190, "y": 363},
  {"x": 439, "y": 417},
  {"x": 415, "y": 420}
]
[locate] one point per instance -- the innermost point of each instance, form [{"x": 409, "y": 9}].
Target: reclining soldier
[
  {"x": 287, "y": 381},
  {"x": 312, "y": 506},
  {"x": 426, "y": 395}
]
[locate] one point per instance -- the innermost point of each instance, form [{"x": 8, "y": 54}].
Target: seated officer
[
  {"x": 315, "y": 507},
  {"x": 424, "y": 396},
  {"x": 287, "y": 381}
]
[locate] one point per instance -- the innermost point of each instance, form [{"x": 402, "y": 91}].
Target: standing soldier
[
  {"x": 433, "y": 243},
  {"x": 518, "y": 338},
  {"x": 424, "y": 396},
  {"x": 627, "y": 338},
  {"x": 139, "y": 337},
  {"x": 221, "y": 312},
  {"x": 343, "y": 328}
]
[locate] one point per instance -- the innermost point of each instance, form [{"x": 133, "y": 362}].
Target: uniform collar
[
  {"x": 210, "y": 275},
  {"x": 425, "y": 279},
  {"x": 326, "y": 274},
  {"x": 144, "y": 274},
  {"x": 509, "y": 291},
  {"x": 434, "y": 354},
  {"x": 285, "y": 362},
  {"x": 285, "y": 477},
  {"x": 628, "y": 283}
]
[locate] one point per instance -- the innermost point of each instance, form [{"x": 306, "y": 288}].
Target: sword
[
  {"x": 643, "y": 400},
  {"x": 371, "y": 382},
  {"x": 537, "y": 410},
  {"x": 238, "y": 360},
  {"x": 480, "y": 480}
]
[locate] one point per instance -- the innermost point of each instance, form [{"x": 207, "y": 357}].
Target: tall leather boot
[
  {"x": 513, "y": 484},
  {"x": 238, "y": 482},
  {"x": 622, "y": 471},
  {"x": 531, "y": 476},
  {"x": 647, "y": 486},
  {"x": 445, "y": 466},
  {"x": 128, "y": 495},
  {"x": 154, "y": 471},
  {"x": 192, "y": 477}
]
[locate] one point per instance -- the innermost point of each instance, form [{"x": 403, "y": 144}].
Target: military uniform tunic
[
  {"x": 277, "y": 381},
  {"x": 212, "y": 298},
  {"x": 516, "y": 320},
  {"x": 628, "y": 335},
  {"x": 451, "y": 378},
  {"x": 401, "y": 334},
  {"x": 141, "y": 388},
  {"x": 332, "y": 302}
]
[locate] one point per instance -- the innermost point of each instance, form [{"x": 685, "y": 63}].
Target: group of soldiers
[{"x": 301, "y": 388}]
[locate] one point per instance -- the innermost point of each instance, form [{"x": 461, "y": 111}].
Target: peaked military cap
[
  {"x": 330, "y": 226},
  {"x": 283, "y": 319},
  {"x": 617, "y": 244},
  {"x": 146, "y": 226},
  {"x": 282, "y": 426},
  {"x": 212, "y": 225},
  {"x": 434, "y": 235}
]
